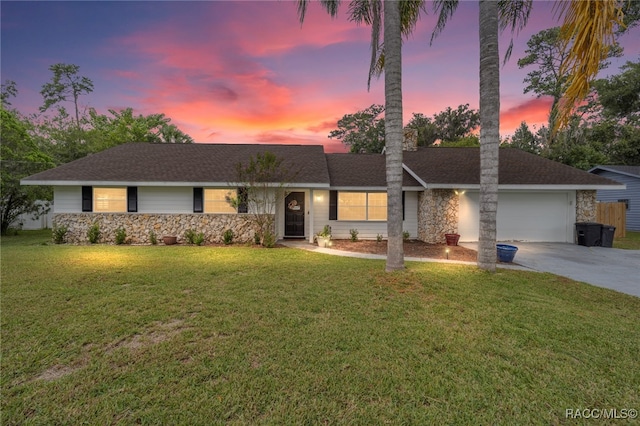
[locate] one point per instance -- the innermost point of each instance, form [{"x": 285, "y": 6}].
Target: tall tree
[
  {"x": 455, "y": 124},
  {"x": 393, "y": 132},
  {"x": 19, "y": 157},
  {"x": 404, "y": 16},
  {"x": 588, "y": 34},
  {"x": 363, "y": 131},
  {"x": 489, "y": 133},
  {"x": 65, "y": 85},
  {"x": 426, "y": 128},
  {"x": 546, "y": 52}
]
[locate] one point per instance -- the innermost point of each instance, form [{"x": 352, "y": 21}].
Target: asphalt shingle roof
[
  {"x": 354, "y": 170},
  {"x": 145, "y": 162},
  {"x": 627, "y": 170},
  {"x": 216, "y": 163},
  {"x": 461, "y": 166}
]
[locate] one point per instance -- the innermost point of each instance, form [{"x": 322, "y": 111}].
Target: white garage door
[{"x": 522, "y": 216}]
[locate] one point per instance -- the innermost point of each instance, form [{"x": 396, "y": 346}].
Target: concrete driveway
[{"x": 603, "y": 267}]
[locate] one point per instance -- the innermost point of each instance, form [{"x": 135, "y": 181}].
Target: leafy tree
[
  {"x": 455, "y": 124},
  {"x": 19, "y": 158},
  {"x": 263, "y": 181},
  {"x": 362, "y": 132},
  {"x": 546, "y": 51},
  {"x": 427, "y": 130},
  {"x": 65, "y": 85},
  {"x": 619, "y": 95},
  {"x": 467, "y": 141},
  {"x": 123, "y": 127},
  {"x": 8, "y": 90},
  {"x": 525, "y": 140}
]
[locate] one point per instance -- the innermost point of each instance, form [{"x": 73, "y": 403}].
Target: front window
[
  {"x": 216, "y": 200},
  {"x": 110, "y": 200},
  {"x": 362, "y": 206}
]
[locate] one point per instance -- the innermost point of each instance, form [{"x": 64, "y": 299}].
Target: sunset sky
[{"x": 247, "y": 72}]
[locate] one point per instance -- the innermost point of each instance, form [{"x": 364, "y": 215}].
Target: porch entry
[{"x": 294, "y": 215}]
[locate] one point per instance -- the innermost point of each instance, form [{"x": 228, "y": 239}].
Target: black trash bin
[
  {"x": 589, "y": 233},
  {"x": 606, "y": 237}
]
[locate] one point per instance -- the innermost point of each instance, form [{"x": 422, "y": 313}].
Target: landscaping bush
[
  {"x": 93, "y": 234},
  {"x": 227, "y": 237},
  {"x": 121, "y": 236},
  {"x": 354, "y": 234},
  {"x": 59, "y": 233}
]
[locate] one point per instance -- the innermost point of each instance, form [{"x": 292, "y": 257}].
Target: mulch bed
[{"x": 412, "y": 248}]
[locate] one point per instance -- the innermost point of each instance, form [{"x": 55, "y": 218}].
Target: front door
[{"x": 294, "y": 216}]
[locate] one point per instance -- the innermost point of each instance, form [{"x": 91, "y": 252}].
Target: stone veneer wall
[
  {"x": 138, "y": 226},
  {"x": 437, "y": 215},
  {"x": 586, "y": 206}
]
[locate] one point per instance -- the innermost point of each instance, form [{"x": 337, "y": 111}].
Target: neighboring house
[
  {"x": 170, "y": 188},
  {"x": 630, "y": 176}
]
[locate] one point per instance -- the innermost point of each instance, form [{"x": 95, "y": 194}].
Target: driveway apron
[{"x": 611, "y": 268}]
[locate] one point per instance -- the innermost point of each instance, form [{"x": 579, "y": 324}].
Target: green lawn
[
  {"x": 201, "y": 335},
  {"x": 630, "y": 242}
]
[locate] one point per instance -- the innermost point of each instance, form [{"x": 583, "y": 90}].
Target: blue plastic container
[{"x": 506, "y": 252}]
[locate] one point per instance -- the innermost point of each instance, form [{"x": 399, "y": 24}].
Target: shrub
[
  {"x": 121, "y": 236},
  {"x": 405, "y": 235},
  {"x": 93, "y": 234},
  {"x": 256, "y": 238},
  {"x": 198, "y": 239},
  {"x": 354, "y": 234},
  {"x": 379, "y": 238},
  {"x": 227, "y": 237},
  {"x": 59, "y": 233},
  {"x": 190, "y": 236},
  {"x": 153, "y": 238},
  {"x": 269, "y": 239}
]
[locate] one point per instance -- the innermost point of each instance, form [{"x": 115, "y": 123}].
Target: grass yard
[
  {"x": 201, "y": 335},
  {"x": 630, "y": 242}
]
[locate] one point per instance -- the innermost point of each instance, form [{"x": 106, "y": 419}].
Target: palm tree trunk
[
  {"x": 393, "y": 132},
  {"x": 489, "y": 133}
]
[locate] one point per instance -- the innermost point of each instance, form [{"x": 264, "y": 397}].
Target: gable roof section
[
  {"x": 440, "y": 167},
  {"x": 362, "y": 171},
  {"x": 633, "y": 171},
  {"x": 182, "y": 164}
]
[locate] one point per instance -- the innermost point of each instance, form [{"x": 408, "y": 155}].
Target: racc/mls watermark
[{"x": 601, "y": 413}]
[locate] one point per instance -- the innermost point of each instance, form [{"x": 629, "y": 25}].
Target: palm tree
[
  {"x": 489, "y": 133},
  {"x": 493, "y": 16},
  {"x": 393, "y": 132},
  {"x": 399, "y": 17},
  {"x": 587, "y": 33}
]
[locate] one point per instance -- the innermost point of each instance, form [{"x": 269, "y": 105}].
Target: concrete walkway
[{"x": 610, "y": 268}]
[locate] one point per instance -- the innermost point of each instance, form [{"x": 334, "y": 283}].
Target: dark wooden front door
[{"x": 294, "y": 215}]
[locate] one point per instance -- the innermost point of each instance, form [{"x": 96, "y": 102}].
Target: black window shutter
[
  {"x": 132, "y": 199},
  {"x": 402, "y": 205},
  {"x": 333, "y": 205},
  {"x": 87, "y": 199},
  {"x": 243, "y": 200},
  {"x": 198, "y": 200}
]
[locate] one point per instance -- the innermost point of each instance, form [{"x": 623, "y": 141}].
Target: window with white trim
[
  {"x": 362, "y": 206},
  {"x": 110, "y": 200}
]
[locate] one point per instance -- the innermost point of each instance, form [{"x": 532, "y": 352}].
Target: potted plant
[
  {"x": 452, "y": 239},
  {"x": 323, "y": 238},
  {"x": 169, "y": 240}
]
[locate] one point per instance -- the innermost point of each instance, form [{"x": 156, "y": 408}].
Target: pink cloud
[{"x": 534, "y": 111}]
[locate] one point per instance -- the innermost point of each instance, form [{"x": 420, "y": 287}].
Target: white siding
[
  {"x": 172, "y": 199},
  {"x": 523, "y": 216},
  {"x": 67, "y": 199},
  {"x": 366, "y": 229}
]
